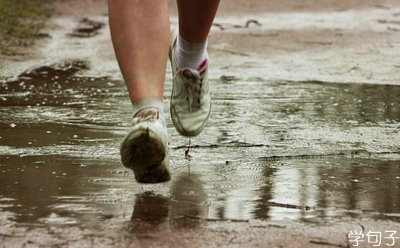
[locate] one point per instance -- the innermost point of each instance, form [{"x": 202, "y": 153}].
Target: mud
[
  {"x": 86, "y": 28},
  {"x": 294, "y": 154}
]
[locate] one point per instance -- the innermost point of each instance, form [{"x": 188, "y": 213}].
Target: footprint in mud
[{"x": 86, "y": 28}]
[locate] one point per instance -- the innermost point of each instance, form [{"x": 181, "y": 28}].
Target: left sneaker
[
  {"x": 145, "y": 148},
  {"x": 190, "y": 97}
]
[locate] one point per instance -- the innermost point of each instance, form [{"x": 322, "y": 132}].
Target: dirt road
[{"x": 302, "y": 148}]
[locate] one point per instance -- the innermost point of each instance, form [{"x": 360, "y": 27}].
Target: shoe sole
[{"x": 143, "y": 152}]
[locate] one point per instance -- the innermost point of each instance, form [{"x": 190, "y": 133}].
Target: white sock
[
  {"x": 149, "y": 103},
  {"x": 190, "y": 54}
]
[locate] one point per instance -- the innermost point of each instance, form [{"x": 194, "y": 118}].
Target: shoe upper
[
  {"x": 190, "y": 97},
  {"x": 146, "y": 115},
  {"x": 150, "y": 119}
]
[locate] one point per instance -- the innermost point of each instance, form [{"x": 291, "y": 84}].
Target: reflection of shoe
[
  {"x": 150, "y": 208},
  {"x": 190, "y": 98},
  {"x": 145, "y": 148}
]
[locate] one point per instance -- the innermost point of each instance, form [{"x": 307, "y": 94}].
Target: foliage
[{"x": 20, "y": 22}]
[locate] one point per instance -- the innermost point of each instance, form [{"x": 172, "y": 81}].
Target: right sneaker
[
  {"x": 190, "y": 98},
  {"x": 145, "y": 148}
]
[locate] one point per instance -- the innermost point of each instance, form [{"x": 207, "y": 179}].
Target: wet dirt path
[{"x": 300, "y": 150}]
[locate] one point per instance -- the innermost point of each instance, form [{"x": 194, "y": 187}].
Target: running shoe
[
  {"x": 190, "y": 98},
  {"x": 145, "y": 148}
]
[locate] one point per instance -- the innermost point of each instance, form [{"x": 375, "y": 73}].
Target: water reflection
[
  {"x": 37, "y": 188},
  {"x": 185, "y": 207},
  {"x": 307, "y": 190},
  {"x": 40, "y": 189},
  {"x": 341, "y": 103},
  {"x": 342, "y": 187},
  {"x": 150, "y": 213},
  {"x": 59, "y": 158},
  {"x": 261, "y": 210}
]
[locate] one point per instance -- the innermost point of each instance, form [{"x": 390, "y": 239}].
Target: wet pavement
[{"x": 275, "y": 151}]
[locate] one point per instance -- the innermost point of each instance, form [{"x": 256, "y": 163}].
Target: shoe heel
[{"x": 146, "y": 156}]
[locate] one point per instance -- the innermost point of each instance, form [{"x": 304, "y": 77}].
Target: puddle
[
  {"x": 303, "y": 151},
  {"x": 54, "y": 85}
]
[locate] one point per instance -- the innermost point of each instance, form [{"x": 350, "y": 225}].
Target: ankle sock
[
  {"x": 149, "y": 103},
  {"x": 190, "y": 54}
]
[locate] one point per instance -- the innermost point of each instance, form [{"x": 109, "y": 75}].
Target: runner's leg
[
  {"x": 195, "y": 20},
  {"x": 140, "y": 33}
]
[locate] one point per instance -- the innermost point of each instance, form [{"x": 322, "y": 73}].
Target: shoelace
[{"x": 193, "y": 85}]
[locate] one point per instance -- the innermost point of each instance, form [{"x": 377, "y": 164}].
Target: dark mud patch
[
  {"x": 53, "y": 85},
  {"x": 351, "y": 154},
  {"x": 231, "y": 144},
  {"x": 384, "y": 21},
  {"x": 227, "y": 26},
  {"x": 86, "y": 28},
  {"x": 63, "y": 70}
]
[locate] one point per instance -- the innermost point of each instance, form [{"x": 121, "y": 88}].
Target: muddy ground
[{"x": 302, "y": 147}]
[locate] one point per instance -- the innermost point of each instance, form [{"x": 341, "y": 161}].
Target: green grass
[{"x": 20, "y": 22}]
